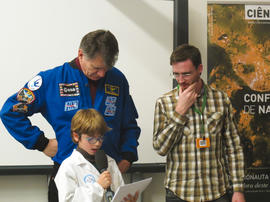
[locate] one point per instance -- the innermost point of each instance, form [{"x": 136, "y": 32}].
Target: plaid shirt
[{"x": 199, "y": 174}]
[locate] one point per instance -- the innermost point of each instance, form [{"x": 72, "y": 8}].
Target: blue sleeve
[
  {"x": 130, "y": 130},
  {"x": 15, "y": 112}
]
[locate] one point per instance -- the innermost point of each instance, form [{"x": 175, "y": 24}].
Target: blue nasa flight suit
[{"x": 57, "y": 94}]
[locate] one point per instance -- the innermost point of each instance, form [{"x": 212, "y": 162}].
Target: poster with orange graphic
[{"x": 238, "y": 62}]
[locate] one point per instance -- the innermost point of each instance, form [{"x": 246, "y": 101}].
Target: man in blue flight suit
[{"x": 89, "y": 81}]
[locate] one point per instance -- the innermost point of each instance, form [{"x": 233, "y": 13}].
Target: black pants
[
  {"x": 170, "y": 197},
  {"x": 52, "y": 190}
]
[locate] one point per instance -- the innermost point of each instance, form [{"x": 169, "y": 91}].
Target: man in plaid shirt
[{"x": 194, "y": 127}]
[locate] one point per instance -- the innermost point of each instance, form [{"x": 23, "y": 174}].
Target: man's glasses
[
  {"x": 93, "y": 140},
  {"x": 176, "y": 75}
]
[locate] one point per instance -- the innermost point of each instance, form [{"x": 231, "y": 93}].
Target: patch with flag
[{"x": 112, "y": 90}]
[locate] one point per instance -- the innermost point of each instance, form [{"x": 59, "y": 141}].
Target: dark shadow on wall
[{"x": 146, "y": 17}]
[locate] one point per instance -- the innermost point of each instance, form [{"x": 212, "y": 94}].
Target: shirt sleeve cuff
[
  {"x": 129, "y": 156},
  {"x": 238, "y": 188},
  {"x": 41, "y": 143},
  {"x": 180, "y": 119}
]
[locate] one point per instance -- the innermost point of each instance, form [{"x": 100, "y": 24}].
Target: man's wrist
[
  {"x": 129, "y": 156},
  {"x": 41, "y": 142}
]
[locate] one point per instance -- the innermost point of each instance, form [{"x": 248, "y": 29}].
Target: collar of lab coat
[{"x": 79, "y": 160}]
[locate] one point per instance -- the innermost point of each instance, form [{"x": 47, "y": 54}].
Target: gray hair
[{"x": 101, "y": 42}]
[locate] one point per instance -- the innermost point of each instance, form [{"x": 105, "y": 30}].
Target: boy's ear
[{"x": 76, "y": 137}]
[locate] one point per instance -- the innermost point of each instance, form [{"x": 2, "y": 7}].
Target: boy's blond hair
[{"x": 89, "y": 122}]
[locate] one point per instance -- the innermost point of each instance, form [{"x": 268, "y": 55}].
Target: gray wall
[{"x": 37, "y": 35}]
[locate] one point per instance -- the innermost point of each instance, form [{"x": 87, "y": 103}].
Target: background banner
[{"x": 239, "y": 64}]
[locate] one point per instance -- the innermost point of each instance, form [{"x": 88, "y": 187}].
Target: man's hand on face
[{"x": 187, "y": 98}]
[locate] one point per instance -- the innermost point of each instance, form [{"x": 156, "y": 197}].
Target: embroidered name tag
[
  {"x": 69, "y": 89},
  {"x": 112, "y": 90}
]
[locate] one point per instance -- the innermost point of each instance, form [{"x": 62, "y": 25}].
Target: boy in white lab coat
[{"x": 78, "y": 179}]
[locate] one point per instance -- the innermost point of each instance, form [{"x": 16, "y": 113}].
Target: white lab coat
[{"x": 76, "y": 179}]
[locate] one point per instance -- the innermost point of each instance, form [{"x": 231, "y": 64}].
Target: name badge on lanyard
[{"x": 202, "y": 143}]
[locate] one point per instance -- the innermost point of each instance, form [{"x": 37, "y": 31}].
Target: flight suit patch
[
  {"x": 110, "y": 110},
  {"x": 35, "y": 83},
  {"x": 20, "y": 107},
  {"x": 110, "y": 106},
  {"x": 69, "y": 89},
  {"x": 110, "y": 100},
  {"x": 25, "y": 96},
  {"x": 71, "y": 105},
  {"x": 112, "y": 90}
]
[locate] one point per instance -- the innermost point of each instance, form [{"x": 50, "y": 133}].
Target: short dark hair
[
  {"x": 101, "y": 42},
  {"x": 184, "y": 52},
  {"x": 89, "y": 122}
]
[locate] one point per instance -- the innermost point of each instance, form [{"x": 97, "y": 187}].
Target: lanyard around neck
[{"x": 198, "y": 111}]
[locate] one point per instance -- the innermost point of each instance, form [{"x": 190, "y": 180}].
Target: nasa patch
[
  {"x": 35, "y": 83},
  {"x": 25, "y": 96},
  {"x": 71, "y": 105}
]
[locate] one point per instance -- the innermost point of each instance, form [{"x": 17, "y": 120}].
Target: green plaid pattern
[{"x": 199, "y": 174}]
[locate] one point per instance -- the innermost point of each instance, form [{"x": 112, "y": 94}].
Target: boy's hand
[
  {"x": 105, "y": 179},
  {"x": 130, "y": 198}
]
